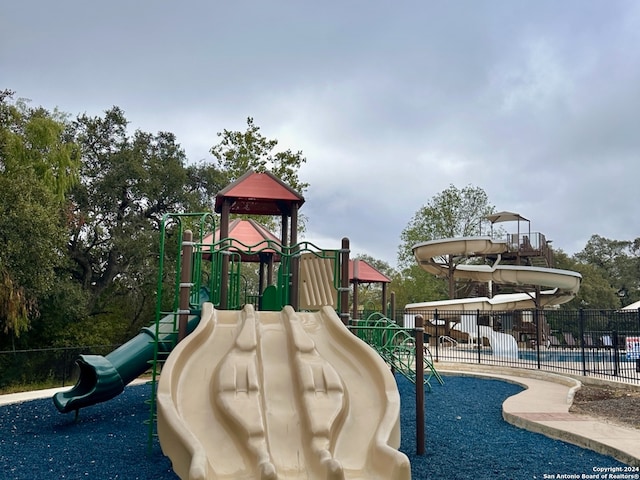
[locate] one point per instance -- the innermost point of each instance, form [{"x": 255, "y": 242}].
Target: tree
[
  {"x": 451, "y": 213},
  {"x": 238, "y": 152},
  {"x": 595, "y": 290},
  {"x": 616, "y": 261},
  {"x": 38, "y": 164},
  {"x": 128, "y": 182},
  {"x": 414, "y": 285}
]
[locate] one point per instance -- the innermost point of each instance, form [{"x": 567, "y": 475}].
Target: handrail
[
  {"x": 446, "y": 338},
  {"x": 396, "y": 345}
]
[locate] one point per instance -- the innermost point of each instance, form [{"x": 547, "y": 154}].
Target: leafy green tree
[
  {"x": 617, "y": 261},
  {"x": 38, "y": 164},
  {"x": 414, "y": 285},
  {"x": 36, "y": 142},
  {"x": 64, "y": 320},
  {"x": 595, "y": 290},
  {"x": 129, "y": 181},
  {"x": 451, "y": 213},
  {"x": 238, "y": 152}
]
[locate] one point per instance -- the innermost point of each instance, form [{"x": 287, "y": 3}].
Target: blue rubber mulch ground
[{"x": 466, "y": 438}]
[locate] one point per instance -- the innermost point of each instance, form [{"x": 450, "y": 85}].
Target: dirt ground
[{"x": 616, "y": 404}]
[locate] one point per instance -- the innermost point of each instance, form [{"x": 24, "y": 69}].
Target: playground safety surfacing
[{"x": 466, "y": 434}]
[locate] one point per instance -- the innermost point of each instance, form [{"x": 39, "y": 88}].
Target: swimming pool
[{"x": 573, "y": 356}]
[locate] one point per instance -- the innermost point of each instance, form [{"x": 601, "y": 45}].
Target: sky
[{"x": 537, "y": 102}]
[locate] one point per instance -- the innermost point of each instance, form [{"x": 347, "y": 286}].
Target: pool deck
[{"x": 543, "y": 407}]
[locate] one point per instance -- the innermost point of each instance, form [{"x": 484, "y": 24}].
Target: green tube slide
[{"x": 102, "y": 378}]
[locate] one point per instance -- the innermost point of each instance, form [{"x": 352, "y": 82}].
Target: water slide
[
  {"x": 560, "y": 286},
  {"x": 102, "y": 378},
  {"x": 279, "y": 395}
]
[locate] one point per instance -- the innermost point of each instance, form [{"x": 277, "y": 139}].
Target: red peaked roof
[
  {"x": 361, "y": 272},
  {"x": 246, "y": 233},
  {"x": 259, "y": 194}
]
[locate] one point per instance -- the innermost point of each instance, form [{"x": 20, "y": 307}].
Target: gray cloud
[{"x": 535, "y": 102}]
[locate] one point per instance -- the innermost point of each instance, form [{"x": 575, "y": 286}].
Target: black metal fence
[
  {"x": 44, "y": 366},
  {"x": 598, "y": 343}
]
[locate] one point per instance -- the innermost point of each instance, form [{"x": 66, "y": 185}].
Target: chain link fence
[{"x": 44, "y": 367}]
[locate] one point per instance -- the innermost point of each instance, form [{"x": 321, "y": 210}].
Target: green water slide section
[{"x": 102, "y": 378}]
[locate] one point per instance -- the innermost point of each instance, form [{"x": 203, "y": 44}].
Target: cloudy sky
[{"x": 537, "y": 102}]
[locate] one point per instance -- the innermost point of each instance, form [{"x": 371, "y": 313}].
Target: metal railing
[
  {"x": 396, "y": 345},
  {"x": 596, "y": 343},
  {"x": 405, "y": 352}
]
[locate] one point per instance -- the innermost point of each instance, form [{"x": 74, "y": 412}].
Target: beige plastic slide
[
  {"x": 563, "y": 285},
  {"x": 278, "y": 395}
]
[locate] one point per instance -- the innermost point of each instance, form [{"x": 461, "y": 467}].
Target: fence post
[
  {"x": 616, "y": 358},
  {"x": 638, "y": 359},
  {"x": 436, "y": 319},
  {"x": 392, "y": 308},
  {"x": 64, "y": 368},
  {"x": 582, "y": 350},
  {"x": 536, "y": 320},
  {"x": 419, "y": 336},
  {"x": 479, "y": 340}
]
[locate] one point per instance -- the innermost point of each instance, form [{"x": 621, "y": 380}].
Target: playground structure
[
  {"x": 278, "y": 395},
  {"x": 256, "y": 374},
  {"x": 521, "y": 263}
]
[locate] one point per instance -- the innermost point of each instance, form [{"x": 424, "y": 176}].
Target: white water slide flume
[{"x": 560, "y": 286}]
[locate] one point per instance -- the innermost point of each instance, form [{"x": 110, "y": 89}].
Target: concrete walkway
[
  {"x": 544, "y": 408},
  {"x": 47, "y": 393}
]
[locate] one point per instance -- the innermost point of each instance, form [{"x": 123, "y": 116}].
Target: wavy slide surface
[{"x": 278, "y": 395}]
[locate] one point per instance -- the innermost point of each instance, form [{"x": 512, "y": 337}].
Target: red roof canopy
[
  {"x": 360, "y": 271},
  {"x": 247, "y": 233},
  {"x": 259, "y": 194}
]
